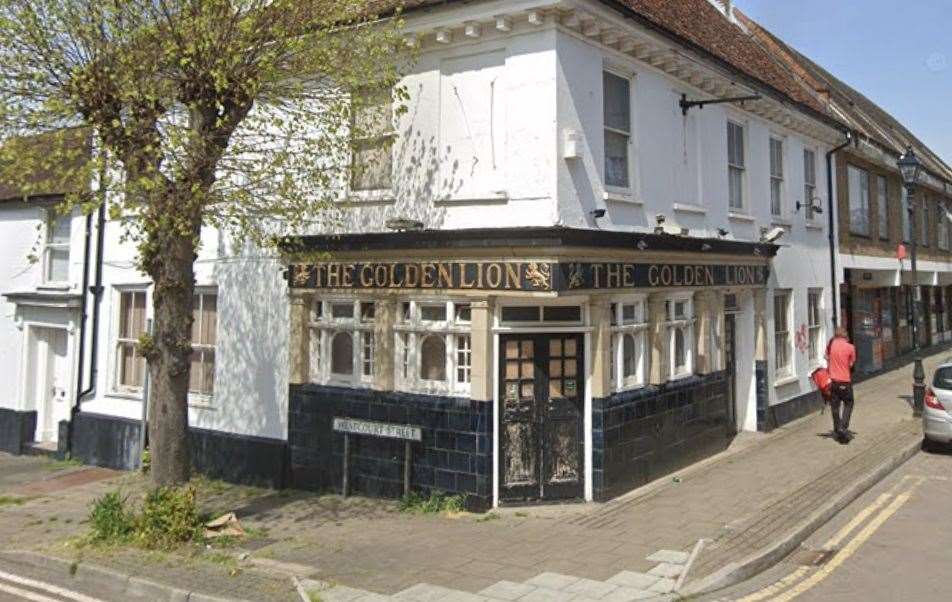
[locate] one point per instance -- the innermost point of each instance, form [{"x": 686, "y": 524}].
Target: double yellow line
[{"x": 795, "y": 583}]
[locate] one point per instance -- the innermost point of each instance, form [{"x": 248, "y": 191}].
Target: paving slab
[
  {"x": 552, "y": 581},
  {"x": 669, "y": 556},
  {"x": 591, "y": 588},
  {"x": 666, "y": 569},
  {"x": 634, "y": 580},
  {"x": 507, "y": 590}
]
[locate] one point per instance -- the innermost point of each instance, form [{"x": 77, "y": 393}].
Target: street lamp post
[{"x": 910, "y": 168}]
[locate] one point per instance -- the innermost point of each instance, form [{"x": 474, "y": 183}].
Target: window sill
[
  {"x": 53, "y": 286},
  {"x": 130, "y": 395},
  {"x": 690, "y": 208},
  {"x": 813, "y": 225},
  {"x": 780, "y": 221},
  {"x": 621, "y": 197},
  {"x": 369, "y": 196},
  {"x": 676, "y": 377},
  {"x": 786, "y": 379},
  {"x": 490, "y": 197},
  {"x": 740, "y": 217}
]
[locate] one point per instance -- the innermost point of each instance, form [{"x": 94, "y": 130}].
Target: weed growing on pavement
[
  {"x": 488, "y": 517},
  {"x": 169, "y": 516},
  {"x": 437, "y": 502},
  {"x": 12, "y": 500},
  {"x": 110, "y": 520},
  {"x": 314, "y": 597}
]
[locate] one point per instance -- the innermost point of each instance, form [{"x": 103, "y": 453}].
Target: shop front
[{"x": 536, "y": 364}]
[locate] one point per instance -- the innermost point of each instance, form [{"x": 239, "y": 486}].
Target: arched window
[
  {"x": 342, "y": 353},
  {"x": 433, "y": 358}
]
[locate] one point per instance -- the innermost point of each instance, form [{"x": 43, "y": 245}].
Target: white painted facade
[{"x": 495, "y": 109}]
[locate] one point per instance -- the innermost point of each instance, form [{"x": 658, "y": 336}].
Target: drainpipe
[
  {"x": 96, "y": 290},
  {"x": 832, "y": 233}
]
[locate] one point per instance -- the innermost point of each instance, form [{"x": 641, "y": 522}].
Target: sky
[{"x": 897, "y": 53}]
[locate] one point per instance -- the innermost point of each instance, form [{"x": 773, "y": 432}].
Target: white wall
[
  {"x": 22, "y": 228},
  {"x": 680, "y": 170}
]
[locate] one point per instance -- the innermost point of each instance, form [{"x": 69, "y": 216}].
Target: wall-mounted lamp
[
  {"x": 818, "y": 208},
  {"x": 597, "y": 213}
]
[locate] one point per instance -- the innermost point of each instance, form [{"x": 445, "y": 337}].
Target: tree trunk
[{"x": 173, "y": 277}]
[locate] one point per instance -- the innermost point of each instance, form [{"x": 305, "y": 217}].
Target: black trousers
[{"x": 841, "y": 394}]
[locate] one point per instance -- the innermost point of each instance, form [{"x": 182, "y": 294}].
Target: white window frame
[
  {"x": 809, "y": 182},
  {"x": 945, "y": 241},
  {"x": 776, "y": 176},
  {"x": 637, "y": 329},
  {"x": 786, "y": 370},
  {"x": 858, "y": 201},
  {"x": 116, "y": 387},
  {"x": 324, "y": 327},
  {"x": 410, "y": 332},
  {"x": 815, "y": 335},
  {"x": 740, "y": 167},
  {"x": 905, "y": 218},
  {"x": 629, "y": 135},
  {"x": 201, "y": 292},
  {"x": 387, "y": 137},
  {"x": 50, "y": 218},
  {"x": 882, "y": 207},
  {"x": 686, "y": 325}
]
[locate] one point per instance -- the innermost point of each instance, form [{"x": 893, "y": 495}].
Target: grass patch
[
  {"x": 12, "y": 500},
  {"x": 54, "y": 465},
  {"x": 436, "y": 503},
  {"x": 488, "y": 517},
  {"x": 314, "y": 597}
]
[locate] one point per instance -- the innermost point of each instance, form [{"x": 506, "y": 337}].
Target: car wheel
[{"x": 932, "y": 447}]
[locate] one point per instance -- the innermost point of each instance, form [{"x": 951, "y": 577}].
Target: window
[
  {"x": 373, "y": 135},
  {"x": 568, "y": 314},
  {"x": 679, "y": 320},
  {"x": 629, "y": 344},
  {"x": 859, "y": 200},
  {"x": 809, "y": 181},
  {"x": 201, "y": 377},
  {"x": 906, "y": 222},
  {"x": 343, "y": 346},
  {"x": 617, "y": 115},
  {"x": 776, "y": 177},
  {"x": 924, "y": 227},
  {"x": 783, "y": 365},
  {"x": 56, "y": 248},
  {"x": 434, "y": 347},
  {"x": 815, "y": 324},
  {"x": 882, "y": 206},
  {"x": 130, "y": 365},
  {"x": 735, "y": 166},
  {"x": 942, "y": 226}
]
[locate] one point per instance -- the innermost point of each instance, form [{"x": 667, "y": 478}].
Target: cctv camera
[{"x": 774, "y": 234}]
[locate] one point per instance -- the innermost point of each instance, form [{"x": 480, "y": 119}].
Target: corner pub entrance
[{"x": 540, "y": 364}]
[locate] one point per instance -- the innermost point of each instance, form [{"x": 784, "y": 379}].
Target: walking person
[{"x": 840, "y": 357}]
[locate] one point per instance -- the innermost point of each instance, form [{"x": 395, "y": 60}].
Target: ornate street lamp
[{"x": 911, "y": 168}]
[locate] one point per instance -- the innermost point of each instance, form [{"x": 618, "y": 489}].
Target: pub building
[{"x": 538, "y": 364}]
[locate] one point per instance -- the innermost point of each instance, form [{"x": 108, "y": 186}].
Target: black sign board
[{"x": 521, "y": 276}]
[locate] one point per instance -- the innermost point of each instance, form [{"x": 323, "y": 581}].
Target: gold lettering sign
[{"x": 524, "y": 276}]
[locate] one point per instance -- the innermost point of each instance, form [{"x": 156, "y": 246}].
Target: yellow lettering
[
  {"x": 445, "y": 279},
  {"x": 462, "y": 276},
  {"x": 709, "y": 274},
  {"x": 628, "y": 277},
  {"x": 412, "y": 275},
  {"x": 512, "y": 276},
  {"x": 348, "y": 275},
  {"x": 653, "y": 275},
  {"x": 494, "y": 275},
  {"x": 394, "y": 283},
  {"x": 366, "y": 276},
  {"x": 597, "y": 275},
  {"x": 380, "y": 276},
  {"x": 614, "y": 275},
  {"x": 333, "y": 275},
  {"x": 666, "y": 275},
  {"x": 428, "y": 273}
]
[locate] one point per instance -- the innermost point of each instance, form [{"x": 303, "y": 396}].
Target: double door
[{"x": 541, "y": 408}]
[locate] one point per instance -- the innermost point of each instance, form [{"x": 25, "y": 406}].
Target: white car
[{"x": 937, "y": 409}]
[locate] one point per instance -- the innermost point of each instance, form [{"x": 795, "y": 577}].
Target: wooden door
[{"x": 541, "y": 403}]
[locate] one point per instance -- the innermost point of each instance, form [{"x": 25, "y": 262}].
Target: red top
[{"x": 841, "y": 356}]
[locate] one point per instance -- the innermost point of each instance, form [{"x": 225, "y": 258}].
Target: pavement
[
  {"x": 707, "y": 527},
  {"x": 890, "y": 544}
]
